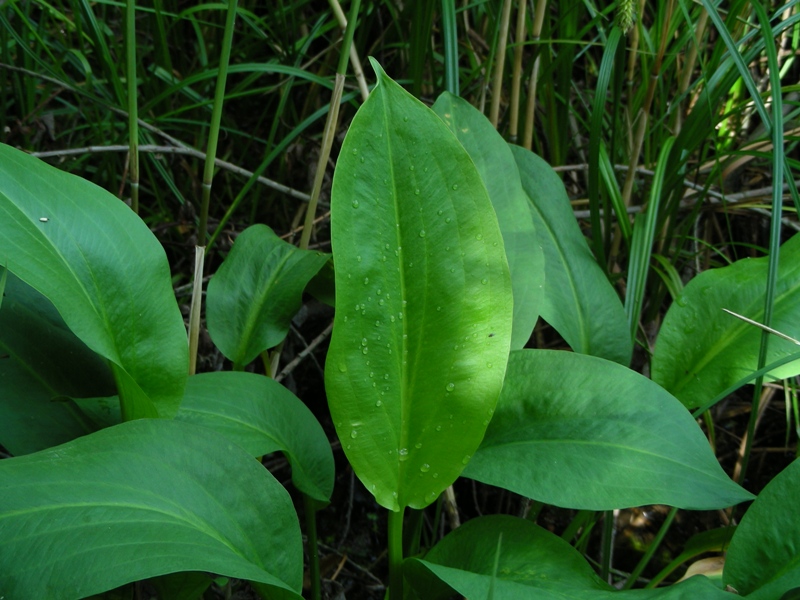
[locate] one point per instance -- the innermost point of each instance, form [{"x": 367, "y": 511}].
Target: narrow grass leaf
[
  {"x": 450, "y": 34},
  {"x": 701, "y": 350},
  {"x": 615, "y": 194},
  {"x": 423, "y": 301},
  {"x": 255, "y": 293},
  {"x": 644, "y": 232},
  {"x": 498, "y": 169},
  {"x": 142, "y": 499},
  {"x": 579, "y": 302},
  {"x": 764, "y": 555},
  {"x": 713, "y": 540},
  {"x": 581, "y": 432},
  {"x": 105, "y": 273},
  {"x": 262, "y": 416},
  {"x": 595, "y": 138}
]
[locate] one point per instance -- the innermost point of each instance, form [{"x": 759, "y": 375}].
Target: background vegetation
[{"x": 665, "y": 109}]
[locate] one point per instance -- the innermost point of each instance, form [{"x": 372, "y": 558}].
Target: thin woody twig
[
  {"x": 182, "y": 150},
  {"x": 299, "y": 358}
]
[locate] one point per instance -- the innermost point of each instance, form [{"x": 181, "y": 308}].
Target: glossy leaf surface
[
  {"x": 45, "y": 365},
  {"x": 498, "y": 169},
  {"x": 581, "y": 432},
  {"x": 141, "y": 499},
  {"x": 579, "y": 302},
  {"x": 701, "y": 350},
  {"x": 262, "y": 416},
  {"x": 533, "y": 563},
  {"x": 423, "y": 301},
  {"x": 255, "y": 293},
  {"x": 764, "y": 554},
  {"x": 103, "y": 270}
]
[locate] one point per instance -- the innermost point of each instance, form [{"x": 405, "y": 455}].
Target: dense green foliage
[{"x": 450, "y": 235}]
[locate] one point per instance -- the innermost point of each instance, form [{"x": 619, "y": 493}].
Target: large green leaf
[
  {"x": 514, "y": 556},
  {"x": 31, "y": 419},
  {"x": 45, "y": 366},
  {"x": 32, "y": 331},
  {"x": 256, "y": 292},
  {"x": 262, "y": 416},
  {"x": 106, "y": 274},
  {"x": 579, "y": 431},
  {"x": 498, "y": 169},
  {"x": 764, "y": 554},
  {"x": 579, "y": 302},
  {"x": 701, "y": 350},
  {"x": 423, "y": 301},
  {"x": 141, "y": 499},
  {"x": 506, "y": 558}
]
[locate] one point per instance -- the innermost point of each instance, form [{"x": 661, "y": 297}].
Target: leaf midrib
[{"x": 405, "y": 408}]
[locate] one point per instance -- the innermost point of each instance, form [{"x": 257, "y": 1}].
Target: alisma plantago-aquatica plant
[{"x": 447, "y": 245}]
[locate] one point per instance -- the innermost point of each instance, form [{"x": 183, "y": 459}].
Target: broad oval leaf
[
  {"x": 582, "y": 432},
  {"x": 511, "y": 557},
  {"x": 32, "y": 331},
  {"x": 45, "y": 366},
  {"x": 506, "y": 558},
  {"x": 255, "y": 293},
  {"x": 702, "y": 350},
  {"x": 579, "y": 301},
  {"x": 262, "y": 416},
  {"x": 423, "y": 301},
  {"x": 106, "y": 274},
  {"x": 30, "y": 418},
  {"x": 141, "y": 499},
  {"x": 497, "y": 168},
  {"x": 764, "y": 554}
]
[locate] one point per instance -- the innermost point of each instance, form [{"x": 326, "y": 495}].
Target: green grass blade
[
  {"x": 133, "y": 103},
  {"x": 450, "y": 32},
  {"x": 778, "y": 160},
  {"x": 216, "y": 118},
  {"x": 644, "y": 232},
  {"x": 595, "y": 141}
]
